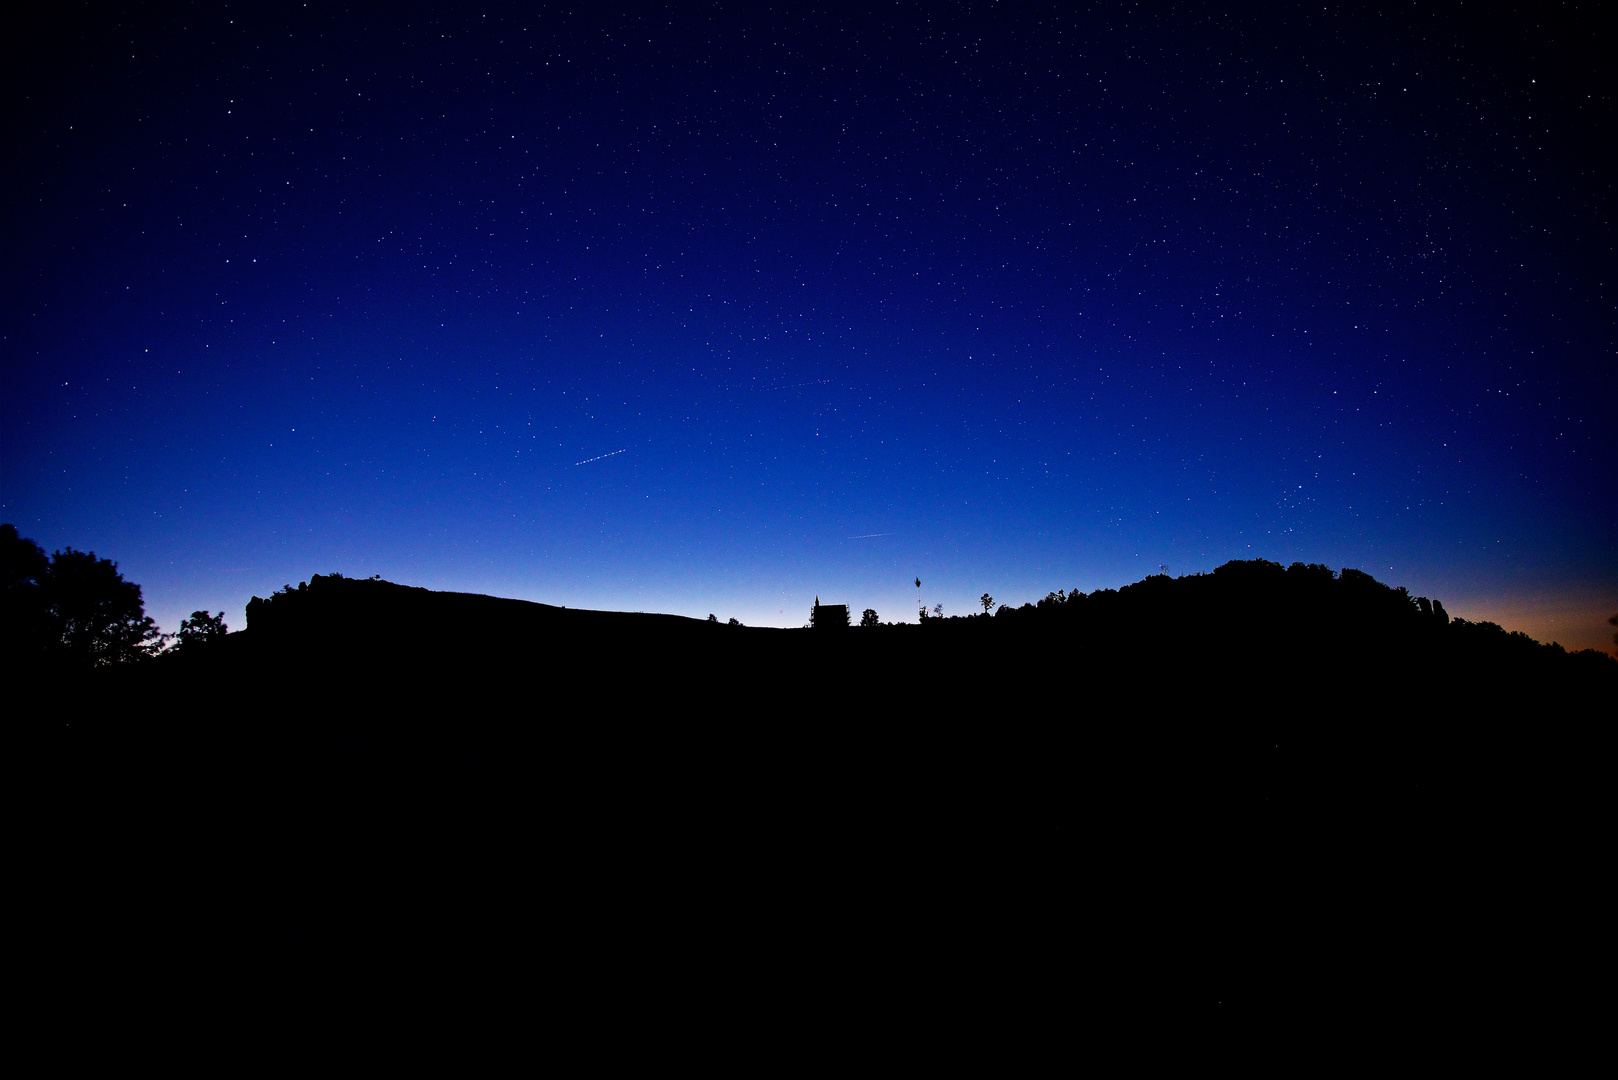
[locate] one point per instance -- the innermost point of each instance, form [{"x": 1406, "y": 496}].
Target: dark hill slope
[
  {"x": 1273, "y": 642},
  {"x": 1221, "y": 787},
  {"x": 341, "y": 609}
]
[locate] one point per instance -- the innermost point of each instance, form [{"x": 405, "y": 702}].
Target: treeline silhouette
[
  {"x": 1218, "y": 787},
  {"x": 1287, "y": 621}
]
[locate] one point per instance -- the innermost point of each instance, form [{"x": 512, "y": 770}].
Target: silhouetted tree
[
  {"x": 73, "y": 608},
  {"x": 98, "y": 618},
  {"x": 987, "y": 601},
  {"x": 868, "y": 617},
  {"x": 200, "y": 628},
  {"x": 712, "y": 617}
]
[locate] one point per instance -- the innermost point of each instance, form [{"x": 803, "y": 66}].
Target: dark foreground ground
[{"x": 614, "y": 810}]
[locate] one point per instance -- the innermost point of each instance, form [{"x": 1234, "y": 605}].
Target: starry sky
[{"x": 698, "y": 309}]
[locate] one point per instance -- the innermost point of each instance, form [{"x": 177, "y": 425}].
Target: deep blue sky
[{"x": 1009, "y": 298}]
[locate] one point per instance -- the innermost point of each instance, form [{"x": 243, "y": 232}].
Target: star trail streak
[{"x": 599, "y": 457}]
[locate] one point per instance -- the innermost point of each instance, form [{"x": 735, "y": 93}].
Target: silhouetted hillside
[
  {"x": 1270, "y": 640},
  {"x": 335, "y": 608},
  {"x": 1217, "y": 787}
]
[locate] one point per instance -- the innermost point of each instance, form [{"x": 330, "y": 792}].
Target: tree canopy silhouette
[
  {"x": 72, "y": 609},
  {"x": 201, "y": 628}
]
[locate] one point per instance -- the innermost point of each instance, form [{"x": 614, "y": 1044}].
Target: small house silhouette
[{"x": 828, "y": 616}]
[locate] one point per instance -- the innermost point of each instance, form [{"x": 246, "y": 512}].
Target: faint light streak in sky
[
  {"x": 780, "y": 386},
  {"x": 598, "y": 457},
  {"x": 794, "y": 386}
]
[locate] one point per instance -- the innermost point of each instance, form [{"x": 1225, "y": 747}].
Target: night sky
[{"x": 717, "y": 309}]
